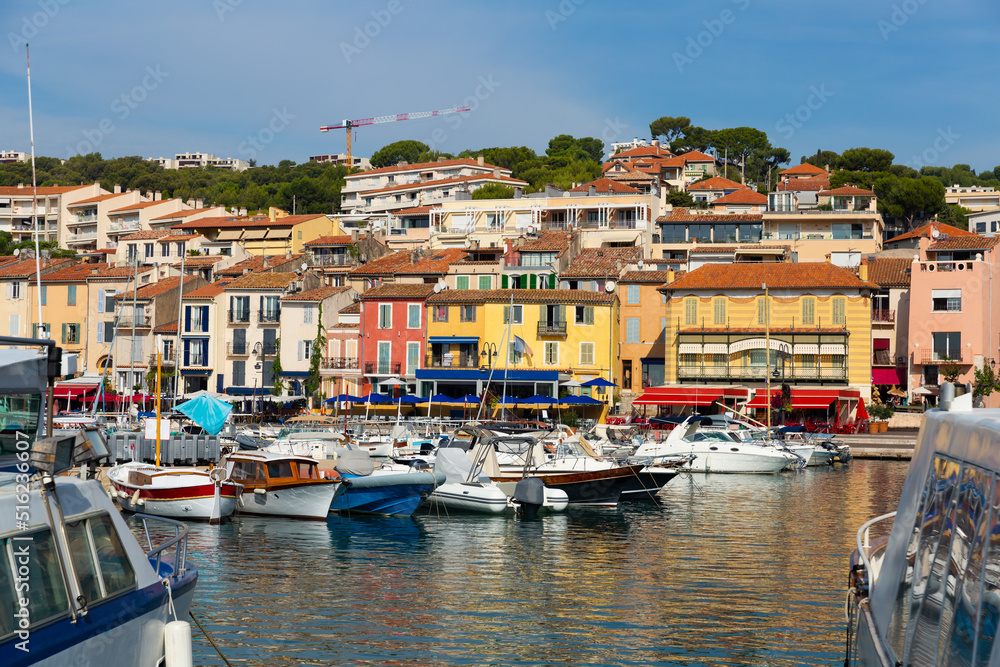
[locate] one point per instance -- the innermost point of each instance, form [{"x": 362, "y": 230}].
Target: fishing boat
[
  {"x": 178, "y": 493},
  {"x": 392, "y": 492},
  {"x": 927, "y": 592},
  {"x": 284, "y": 485}
]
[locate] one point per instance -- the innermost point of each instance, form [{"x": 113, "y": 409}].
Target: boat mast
[
  {"x": 34, "y": 207},
  {"x": 131, "y": 353},
  {"x": 767, "y": 351},
  {"x": 177, "y": 338}
]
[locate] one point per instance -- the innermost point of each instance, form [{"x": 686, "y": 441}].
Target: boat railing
[
  {"x": 864, "y": 543},
  {"x": 178, "y": 542}
]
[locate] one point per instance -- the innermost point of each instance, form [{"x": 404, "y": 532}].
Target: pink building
[
  {"x": 392, "y": 334},
  {"x": 954, "y": 317}
]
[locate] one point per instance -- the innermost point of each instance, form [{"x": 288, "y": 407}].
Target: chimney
[
  {"x": 157, "y": 196},
  {"x": 517, "y": 193},
  {"x": 925, "y": 243},
  {"x": 440, "y": 158},
  {"x": 670, "y": 276},
  {"x": 480, "y": 160},
  {"x": 656, "y": 142},
  {"x": 863, "y": 270},
  {"x": 118, "y": 189},
  {"x": 496, "y": 172},
  {"x": 591, "y": 190},
  {"x": 199, "y": 203},
  {"x": 243, "y": 211}
]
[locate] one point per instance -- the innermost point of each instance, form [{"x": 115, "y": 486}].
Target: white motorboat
[
  {"x": 282, "y": 485},
  {"x": 176, "y": 493},
  {"x": 716, "y": 451}
]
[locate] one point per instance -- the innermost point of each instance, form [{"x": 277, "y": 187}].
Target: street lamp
[{"x": 489, "y": 353}]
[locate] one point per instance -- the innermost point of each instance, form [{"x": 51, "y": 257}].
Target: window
[
  {"x": 947, "y": 346},
  {"x": 467, "y": 313},
  {"x": 631, "y": 329},
  {"x": 690, "y": 312},
  {"x": 384, "y": 357},
  {"x": 725, "y": 233},
  {"x": 168, "y": 348},
  {"x": 809, "y": 310},
  {"x": 412, "y": 357},
  {"x": 197, "y": 352},
  {"x": 551, "y": 353},
  {"x": 164, "y": 250},
  {"x": 839, "y": 310},
  {"x": 181, "y": 248},
  {"x": 307, "y": 314},
  {"x": 583, "y": 315},
  {"x": 586, "y": 354},
  {"x": 485, "y": 282},
  {"x": 700, "y": 233},
  {"x": 269, "y": 309},
  {"x": 385, "y": 316},
  {"x": 758, "y": 358},
  {"x": 46, "y": 329},
  {"x": 847, "y": 230},
  {"x": 946, "y": 300},
  {"x": 788, "y": 230},
  {"x": 45, "y": 295},
  {"x": 719, "y": 312},
  {"x": 70, "y": 295},
  {"x": 440, "y": 313},
  {"x": 150, "y": 251},
  {"x": 515, "y": 316},
  {"x": 633, "y": 294},
  {"x": 48, "y": 596},
  {"x": 239, "y": 373},
  {"x": 413, "y": 316},
  {"x": 109, "y": 302},
  {"x": 750, "y": 233},
  {"x": 513, "y": 356},
  {"x": 196, "y": 321},
  {"x": 109, "y": 331},
  {"x": 762, "y": 311},
  {"x": 462, "y": 282},
  {"x": 808, "y": 361},
  {"x": 673, "y": 233},
  {"x": 70, "y": 333},
  {"x": 15, "y": 325},
  {"x": 111, "y": 572},
  {"x": 14, "y": 290}
]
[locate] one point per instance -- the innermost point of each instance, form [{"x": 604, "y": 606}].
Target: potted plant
[{"x": 880, "y": 414}]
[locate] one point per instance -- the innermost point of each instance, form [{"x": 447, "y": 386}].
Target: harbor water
[{"x": 723, "y": 570}]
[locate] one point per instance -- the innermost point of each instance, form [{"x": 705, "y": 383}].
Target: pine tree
[{"x": 314, "y": 381}]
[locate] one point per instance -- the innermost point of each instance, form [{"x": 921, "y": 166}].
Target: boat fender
[
  {"x": 122, "y": 494},
  {"x": 177, "y": 644},
  {"x": 141, "y": 502},
  {"x": 135, "y": 497},
  {"x": 260, "y": 492}
]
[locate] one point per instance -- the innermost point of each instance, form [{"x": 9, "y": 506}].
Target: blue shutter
[
  {"x": 187, "y": 353},
  {"x": 204, "y": 318},
  {"x": 100, "y": 301},
  {"x": 204, "y": 352},
  {"x": 187, "y": 322},
  {"x": 218, "y": 382}
]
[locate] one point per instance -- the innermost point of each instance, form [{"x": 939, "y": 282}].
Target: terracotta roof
[
  {"x": 77, "y": 273},
  {"x": 742, "y": 196},
  {"x": 330, "y": 240},
  {"x": 430, "y": 262},
  {"x": 172, "y": 238},
  {"x": 927, "y": 230},
  {"x": 414, "y": 210},
  {"x": 601, "y": 262},
  {"x": 187, "y": 213},
  {"x": 169, "y": 327},
  {"x": 140, "y": 205},
  {"x": 156, "y": 289},
  {"x": 229, "y": 222},
  {"x": 144, "y": 235},
  {"x": 804, "y": 168},
  {"x": 100, "y": 198},
  {"x": 26, "y": 267},
  {"x": 631, "y": 175},
  {"x": 118, "y": 273},
  {"x": 14, "y": 191},
  {"x": 201, "y": 260},
  {"x": 889, "y": 271},
  {"x": 521, "y": 296},
  {"x": 447, "y": 181},
  {"x": 777, "y": 275},
  {"x": 682, "y": 215},
  {"x": 715, "y": 183},
  {"x": 257, "y": 263},
  {"x": 353, "y": 309},
  {"x": 658, "y": 151},
  {"x": 847, "y": 191},
  {"x": 549, "y": 241},
  {"x": 658, "y": 277},
  {"x": 208, "y": 291},
  {"x": 444, "y": 164},
  {"x": 268, "y": 280},
  {"x": 974, "y": 242},
  {"x": 606, "y": 185},
  {"x": 803, "y": 185},
  {"x": 399, "y": 291},
  {"x": 317, "y": 294}
]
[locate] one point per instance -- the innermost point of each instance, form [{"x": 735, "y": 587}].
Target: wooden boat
[
  {"x": 283, "y": 485},
  {"x": 177, "y": 493}
]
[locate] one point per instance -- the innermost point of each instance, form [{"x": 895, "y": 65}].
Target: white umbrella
[{"x": 395, "y": 382}]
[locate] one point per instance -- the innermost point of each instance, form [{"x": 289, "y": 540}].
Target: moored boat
[
  {"x": 389, "y": 492},
  {"x": 177, "y": 493},
  {"x": 282, "y": 485}
]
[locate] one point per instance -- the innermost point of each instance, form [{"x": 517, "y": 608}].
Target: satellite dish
[
  {"x": 17, "y": 252},
  {"x": 304, "y": 266},
  {"x": 641, "y": 264},
  {"x": 935, "y": 233},
  {"x": 437, "y": 288},
  {"x": 468, "y": 243},
  {"x": 609, "y": 286}
]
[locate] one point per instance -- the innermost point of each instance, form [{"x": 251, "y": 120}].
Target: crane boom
[{"x": 351, "y": 124}]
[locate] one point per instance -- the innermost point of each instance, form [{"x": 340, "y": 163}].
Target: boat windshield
[
  {"x": 19, "y": 415},
  {"x": 308, "y": 471}
]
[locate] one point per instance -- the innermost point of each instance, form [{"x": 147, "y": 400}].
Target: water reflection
[{"x": 734, "y": 570}]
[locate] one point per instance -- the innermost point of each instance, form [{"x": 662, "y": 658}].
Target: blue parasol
[{"x": 207, "y": 412}]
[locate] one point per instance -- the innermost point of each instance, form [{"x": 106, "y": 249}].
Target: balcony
[
  {"x": 269, "y": 316},
  {"x": 331, "y": 260},
  {"x": 139, "y": 322},
  {"x": 883, "y": 316},
  {"x": 341, "y": 363},
  {"x": 239, "y": 316},
  {"x": 552, "y": 328},
  {"x": 812, "y": 373},
  {"x": 238, "y": 349},
  {"x": 450, "y": 360},
  {"x": 928, "y": 357},
  {"x": 383, "y": 368}
]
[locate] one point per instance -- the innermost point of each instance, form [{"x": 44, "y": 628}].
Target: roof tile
[
  {"x": 715, "y": 183},
  {"x": 522, "y": 296},
  {"x": 601, "y": 262},
  {"x": 890, "y": 271},
  {"x": 777, "y": 275},
  {"x": 268, "y": 280}
]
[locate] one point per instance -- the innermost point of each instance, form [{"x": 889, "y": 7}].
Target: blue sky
[{"x": 248, "y": 78}]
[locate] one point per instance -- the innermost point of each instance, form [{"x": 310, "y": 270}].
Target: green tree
[
  {"x": 278, "y": 387},
  {"x": 950, "y": 370},
  {"x": 407, "y": 149},
  {"x": 909, "y": 199},
  {"x": 314, "y": 381},
  {"x": 679, "y": 198},
  {"x": 669, "y": 127},
  {"x": 493, "y": 191},
  {"x": 693, "y": 138},
  {"x": 822, "y": 159},
  {"x": 865, "y": 159}
]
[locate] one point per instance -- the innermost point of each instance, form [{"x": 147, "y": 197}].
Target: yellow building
[
  {"x": 527, "y": 340},
  {"x": 643, "y": 329},
  {"x": 65, "y": 307},
  {"x": 814, "y": 317}
]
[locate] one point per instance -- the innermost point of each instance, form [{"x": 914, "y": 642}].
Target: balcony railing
[
  {"x": 271, "y": 316},
  {"x": 888, "y": 316},
  {"x": 552, "y": 328},
  {"x": 238, "y": 349},
  {"x": 128, "y": 321},
  {"x": 934, "y": 357},
  {"x": 341, "y": 363},
  {"x": 449, "y": 360},
  {"x": 699, "y": 372},
  {"x": 382, "y": 368},
  {"x": 331, "y": 260},
  {"x": 239, "y": 316}
]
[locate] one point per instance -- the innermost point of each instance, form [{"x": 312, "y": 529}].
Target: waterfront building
[
  {"x": 101, "y": 336},
  {"x": 206, "y": 340},
  {"x": 953, "y": 310},
  {"x": 65, "y": 299},
  {"x": 20, "y": 308},
  {"x": 392, "y": 334},
  {"x": 556, "y": 335},
  {"x": 890, "y": 321},
  {"x": 972, "y": 197},
  {"x": 274, "y": 234},
  {"x": 422, "y": 266},
  {"x": 597, "y": 269},
  {"x": 88, "y": 223},
  {"x": 642, "y": 347},
  {"x": 18, "y": 206},
  {"x": 815, "y": 318},
  {"x": 303, "y": 315},
  {"x": 341, "y": 371}
]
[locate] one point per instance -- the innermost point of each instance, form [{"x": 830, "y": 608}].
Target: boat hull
[
  {"x": 647, "y": 483},
  {"x": 394, "y": 495},
  {"x": 601, "y": 488},
  {"x": 307, "y": 501},
  {"x": 468, "y": 497},
  {"x": 187, "y": 495}
]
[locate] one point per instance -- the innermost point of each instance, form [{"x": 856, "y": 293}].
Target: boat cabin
[{"x": 269, "y": 471}]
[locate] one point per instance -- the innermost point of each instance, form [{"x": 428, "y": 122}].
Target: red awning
[
  {"x": 804, "y": 399},
  {"x": 887, "y": 376},
  {"x": 760, "y": 399},
  {"x": 679, "y": 396},
  {"x": 880, "y": 343},
  {"x": 72, "y": 390}
]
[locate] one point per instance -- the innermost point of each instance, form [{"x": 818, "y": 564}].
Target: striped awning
[
  {"x": 690, "y": 348},
  {"x": 760, "y": 344},
  {"x": 716, "y": 348},
  {"x": 832, "y": 348},
  {"x": 806, "y": 348}
]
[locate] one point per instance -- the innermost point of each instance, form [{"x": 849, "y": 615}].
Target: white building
[{"x": 191, "y": 160}]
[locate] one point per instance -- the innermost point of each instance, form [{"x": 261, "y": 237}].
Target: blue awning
[
  {"x": 196, "y": 371},
  {"x": 453, "y": 339},
  {"x": 246, "y": 391},
  {"x": 294, "y": 374},
  {"x": 475, "y": 374}
]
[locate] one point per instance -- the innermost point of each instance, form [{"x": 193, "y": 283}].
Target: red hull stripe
[{"x": 180, "y": 493}]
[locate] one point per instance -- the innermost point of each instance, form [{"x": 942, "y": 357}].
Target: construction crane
[{"x": 349, "y": 125}]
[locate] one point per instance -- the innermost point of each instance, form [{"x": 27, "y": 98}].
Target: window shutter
[
  {"x": 533, "y": 281},
  {"x": 100, "y": 333},
  {"x": 503, "y": 284},
  {"x": 15, "y": 325},
  {"x": 64, "y": 332},
  {"x": 301, "y": 350},
  {"x": 542, "y": 314},
  {"x": 70, "y": 295},
  {"x": 100, "y": 301},
  {"x": 204, "y": 318},
  {"x": 506, "y": 309},
  {"x": 561, "y": 314},
  {"x": 690, "y": 312},
  {"x": 552, "y": 281},
  {"x": 187, "y": 353},
  {"x": 762, "y": 311},
  {"x": 262, "y": 304},
  {"x": 232, "y": 309},
  {"x": 187, "y": 318},
  {"x": 808, "y": 310},
  {"x": 45, "y": 296}
]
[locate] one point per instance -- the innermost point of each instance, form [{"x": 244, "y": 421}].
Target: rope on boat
[{"x": 209, "y": 638}]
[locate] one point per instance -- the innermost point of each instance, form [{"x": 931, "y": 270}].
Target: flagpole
[{"x": 506, "y": 361}]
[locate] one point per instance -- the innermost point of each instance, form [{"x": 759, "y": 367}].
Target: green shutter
[
  {"x": 588, "y": 315},
  {"x": 542, "y": 314},
  {"x": 64, "y": 332},
  {"x": 533, "y": 281},
  {"x": 552, "y": 281},
  {"x": 506, "y": 310},
  {"x": 561, "y": 314},
  {"x": 503, "y": 281}
]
